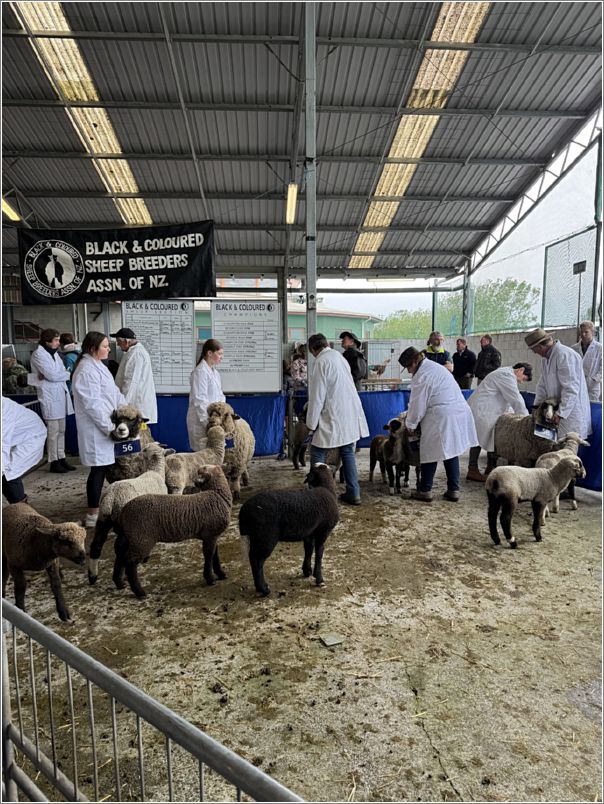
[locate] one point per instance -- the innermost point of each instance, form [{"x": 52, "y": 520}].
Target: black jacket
[
  {"x": 488, "y": 360},
  {"x": 463, "y": 363},
  {"x": 356, "y": 361}
]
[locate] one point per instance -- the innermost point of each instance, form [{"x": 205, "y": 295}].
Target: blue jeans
[
  {"x": 349, "y": 464},
  {"x": 428, "y": 470}
]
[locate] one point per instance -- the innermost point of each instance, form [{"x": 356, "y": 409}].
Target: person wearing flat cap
[
  {"x": 561, "y": 378},
  {"x": 354, "y": 357},
  {"x": 447, "y": 426},
  {"x": 134, "y": 376}
]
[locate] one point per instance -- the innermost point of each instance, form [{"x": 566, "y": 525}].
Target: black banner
[{"x": 71, "y": 266}]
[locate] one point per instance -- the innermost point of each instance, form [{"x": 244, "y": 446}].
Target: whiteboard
[
  {"x": 250, "y": 332},
  {"x": 167, "y": 331}
]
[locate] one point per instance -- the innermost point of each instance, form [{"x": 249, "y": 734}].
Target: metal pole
[
  {"x": 8, "y": 753},
  {"x": 465, "y": 300},
  {"x": 598, "y": 220},
  {"x": 310, "y": 169}
]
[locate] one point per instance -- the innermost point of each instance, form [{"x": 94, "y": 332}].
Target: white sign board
[
  {"x": 250, "y": 332},
  {"x": 167, "y": 331}
]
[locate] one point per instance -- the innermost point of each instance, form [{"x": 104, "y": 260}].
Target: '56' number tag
[{"x": 127, "y": 447}]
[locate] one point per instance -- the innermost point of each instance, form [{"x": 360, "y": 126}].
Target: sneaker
[
  {"x": 424, "y": 496},
  {"x": 452, "y": 496},
  {"x": 65, "y": 465},
  {"x": 90, "y": 520},
  {"x": 474, "y": 474},
  {"x": 57, "y": 468},
  {"x": 350, "y": 500}
]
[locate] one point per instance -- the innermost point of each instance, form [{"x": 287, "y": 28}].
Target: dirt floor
[{"x": 465, "y": 672}]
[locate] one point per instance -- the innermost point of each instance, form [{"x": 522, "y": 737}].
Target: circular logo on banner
[
  {"x": 54, "y": 269},
  {"x": 270, "y": 307}
]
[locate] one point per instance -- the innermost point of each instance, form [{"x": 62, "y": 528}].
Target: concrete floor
[{"x": 466, "y": 671}]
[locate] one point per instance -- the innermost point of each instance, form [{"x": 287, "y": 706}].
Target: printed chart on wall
[
  {"x": 167, "y": 331},
  {"x": 250, "y": 332}
]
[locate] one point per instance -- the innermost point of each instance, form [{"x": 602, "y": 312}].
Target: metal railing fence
[{"x": 39, "y": 702}]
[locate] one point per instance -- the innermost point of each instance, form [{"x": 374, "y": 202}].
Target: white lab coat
[
  {"x": 498, "y": 393},
  {"x": 206, "y": 388},
  {"x": 23, "y": 437},
  {"x": 52, "y": 391},
  {"x": 134, "y": 378},
  {"x": 436, "y": 402},
  {"x": 592, "y": 369},
  {"x": 562, "y": 378},
  {"x": 95, "y": 396},
  {"x": 334, "y": 410}
]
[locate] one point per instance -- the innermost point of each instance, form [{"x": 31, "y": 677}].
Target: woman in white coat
[
  {"x": 447, "y": 427},
  {"x": 498, "y": 393},
  {"x": 53, "y": 396},
  {"x": 206, "y": 388},
  {"x": 95, "y": 396},
  {"x": 23, "y": 437}
]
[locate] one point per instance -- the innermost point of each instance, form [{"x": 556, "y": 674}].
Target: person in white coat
[
  {"x": 335, "y": 413},
  {"x": 206, "y": 388},
  {"x": 561, "y": 378},
  {"x": 95, "y": 397},
  {"x": 23, "y": 437},
  {"x": 53, "y": 396},
  {"x": 498, "y": 393},
  {"x": 447, "y": 427},
  {"x": 134, "y": 377},
  {"x": 591, "y": 353}
]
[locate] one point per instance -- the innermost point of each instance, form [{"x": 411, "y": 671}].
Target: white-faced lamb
[
  {"x": 515, "y": 439},
  {"x": 181, "y": 468},
  {"x": 290, "y": 515},
  {"x": 154, "y": 518},
  {"x": 238, "y": 457},
  {"x": 119, "y": 494},
  {"x": 568, "y": 448},
  {"x": 32, "y": 543},
  {"x": 507, "y": 486}
]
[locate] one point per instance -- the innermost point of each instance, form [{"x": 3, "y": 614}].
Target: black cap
[
  {"x": 124, "y": 332},
  {"x": 357, "y": 342},
  {"x": 408, "y": 356}
]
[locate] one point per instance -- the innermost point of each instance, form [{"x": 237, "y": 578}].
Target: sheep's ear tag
[
  {"x": 129, "y": 447},
  {"x": 143, "y": 426},
  {"x": 229, "y": 443}
]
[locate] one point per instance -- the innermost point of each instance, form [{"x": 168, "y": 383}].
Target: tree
[{"x": 405, "y": 324}]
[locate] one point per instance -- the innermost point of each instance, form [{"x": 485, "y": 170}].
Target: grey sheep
[
  {"x": 290, "y": 515},
  {"x": 181, "y": 468},
  {"x": 515, "y": 439},
  {"x": 134, "y": 465},
  {"x": 32, "y": 543},
  {"x": 156, "y": 518},
  {"x": 507, "y": 486},
  {"x": 238, "y": 457},
  {"x": 119, "y": 494},
  {"x": 129, "y": 423},
  {"x": 568, "y": 448}
]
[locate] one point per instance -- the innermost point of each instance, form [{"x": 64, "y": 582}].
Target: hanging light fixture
[
  {"x": 292, "y": 197},
  {"x": 10, "y": 213}
]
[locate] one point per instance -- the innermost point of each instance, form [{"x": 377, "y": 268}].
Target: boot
[
  {"x": 57, "y": 468},
  {"x": 474, "y": 474},
  {"x": 65, "y": 465},
  {"x": 424, "y": 496}
]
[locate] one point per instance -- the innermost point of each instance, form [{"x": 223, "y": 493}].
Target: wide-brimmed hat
[
  {"x": 357, "y": 342},
  {"x": 536, "y": 337},
  {"x": 125, "y": 333},
  {"x": 408, "y": 356}
]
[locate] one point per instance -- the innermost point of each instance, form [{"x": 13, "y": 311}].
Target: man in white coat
[
  {"x": 498, "y": 393},
  {"x": 561, "y": 378},
  {"x": 23, "y": 437},
  {"x": 591, "y": 352},
  {"x": 335, "y": 413},
  {"x": 134, "y": 377},
  {"x": 447, "y": 427}
]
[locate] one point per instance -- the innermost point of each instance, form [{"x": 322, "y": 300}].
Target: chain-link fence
[
  {"x": 448, "y": 312},
  {"x": 568, "y": 280}
]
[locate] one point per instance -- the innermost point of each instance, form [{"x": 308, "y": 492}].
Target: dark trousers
[
  {"x": 13, "y": 490},
  {"x": 475, "y": 454},
  {"x": 94, "y": 485},
  {"x": 428, "y": 470},
  {"x": 465, "y": 383}
]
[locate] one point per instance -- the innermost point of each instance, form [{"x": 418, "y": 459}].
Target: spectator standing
[
  {"x": 447, "y": 427},
  {"x": 497, "y": 394},
  {"x": 54, "y": 398},
  {"x": 488, "y": 358},
  {"x": 23, "y": 437},
  {"x": 335, "y": 414},
  {"x": 299, "y": 367},
  {"x": 134, "y": 376},
  {"x": 206, "y": 387},
  {"x": 436, "y": 352},
  {"x": 591, "y": 352},
  {"x": 14, "y": 377},
  {"x": 95, "y": 397},
  {"x": 354, "y": 357},
  {"x": 561, "y": 378},
  {"x": 69, "y": 351},
  {"x": 464, "y": 362}
]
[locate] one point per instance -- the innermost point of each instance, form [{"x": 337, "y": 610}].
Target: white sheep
[
  {"x": 569, "y": 447},
  {"x": 181, "y": 469},
  {"x": 506, "y": 486},
  {"x": 118, "y": 494},
  {"x": 238, "y": 457},
  {"x": 32, "y": 543}
]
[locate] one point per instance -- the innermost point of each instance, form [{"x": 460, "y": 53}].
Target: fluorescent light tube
[
  {"x": 9, "y": 211},
  {"x": 290, "y": 210}
]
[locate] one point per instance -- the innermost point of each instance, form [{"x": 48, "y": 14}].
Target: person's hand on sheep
[{"x": 556, "y": 419}]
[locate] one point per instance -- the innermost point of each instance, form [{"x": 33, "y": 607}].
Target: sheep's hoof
[
  {"x": 320, "y": 582},
  {"x": 92, "y": 579},
  {"x": 210, "y": 581},
  {"x": 141, "y": 595},
  {"x": 496, "y": 542},
  {"x": 65, "y": 617},
  {"x": 537, "y": 537},
  {"x": 573, "y": 505},
  {"x": 119, "y": 584},
  {"x": 391, "y": 491},
  {"x": 513, "y": 545},
  {"x": 306, "y": 572},
  {"x": 221, "y": 576}
]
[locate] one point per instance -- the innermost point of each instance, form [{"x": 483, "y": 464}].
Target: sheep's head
[
  {"x": 206, "y": 473},
  {"x": 574, "y": 465},
  {"x": 544, "y": 412},
  {"x": 216, "y": 435},
  {"x": 321, "y": 475},
  {"x": 572, "y": 441},
  {"x": 127, "y": 420},
  {"x": 395, "y": 427},
  {"x": 221, "y": 413},
  {"x": 68, "y": 540}
]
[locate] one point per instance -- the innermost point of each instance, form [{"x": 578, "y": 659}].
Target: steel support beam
[
  {"x": 310, "y": 168},
  {"x": 331, "y": 41}
]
